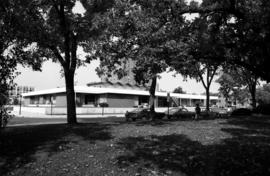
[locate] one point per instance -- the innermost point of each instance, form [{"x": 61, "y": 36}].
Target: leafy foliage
[
  {"x": 52, "y": 30},
  {"x": 245, "y": 29},
  {"x": 179, "y": 90},
  {"x": 142, "y": 31},
  {"x": 263, "y": 94},
  {"x": 238, "y": 83}
]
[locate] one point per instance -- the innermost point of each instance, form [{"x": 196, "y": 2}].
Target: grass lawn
[{"x": 236, "y": 146}]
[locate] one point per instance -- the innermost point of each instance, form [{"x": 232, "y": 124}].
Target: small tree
[
  {"x": 263, "y": 94},
  {"x": 235, "y": 79},
  {"x": 227, "y": 85},
  {"x": 179, "y": 90}
]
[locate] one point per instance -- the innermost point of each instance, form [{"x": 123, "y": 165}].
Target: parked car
[
  {"x": 241, "y": 112},
  {"x": 219, "y": 112},
  {"x": 142, "y": 113},
  {"x": 179, "y": 112}
]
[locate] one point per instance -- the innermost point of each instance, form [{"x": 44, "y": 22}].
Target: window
[{"x": 90, "y": 99}]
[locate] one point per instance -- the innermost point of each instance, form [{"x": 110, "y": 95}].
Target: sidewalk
[
  {"x": 39, "y": 115},
  {"x": 28, "y": 118}
]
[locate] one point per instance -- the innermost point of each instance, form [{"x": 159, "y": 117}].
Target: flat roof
[{"x": 98, "y": 90}]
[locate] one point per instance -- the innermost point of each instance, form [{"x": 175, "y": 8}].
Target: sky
[{"x": 50, "y": 76}]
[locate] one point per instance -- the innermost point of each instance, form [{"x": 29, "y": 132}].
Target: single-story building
[{"x": 114, "y": 95}]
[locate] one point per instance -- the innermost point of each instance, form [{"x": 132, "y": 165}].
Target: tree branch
[
  {"x": 58, "y": 56},
  {"x": 213, "y": 74},
  {"x": 201, "y": 77},
  {"x": 65, "y": 30}
]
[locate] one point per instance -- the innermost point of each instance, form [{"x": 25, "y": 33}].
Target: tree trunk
[
  {"x": 207, "y": 99},
  {"x": 152, "y": 91},
  {"x": 70, "y": 94},
  {"x": 253, "y": 96}
]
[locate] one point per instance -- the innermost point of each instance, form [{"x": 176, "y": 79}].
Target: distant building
[
  {"x": 17, "y": 91},
  {"x": 114, "y": 95}
]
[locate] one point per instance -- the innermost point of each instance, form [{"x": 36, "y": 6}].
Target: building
[
  {"x": 113, "y": 94},
  {"x": 16, "y": 92}
]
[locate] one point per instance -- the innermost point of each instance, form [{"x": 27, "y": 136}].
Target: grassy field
[{"x": 114, "y": 147}]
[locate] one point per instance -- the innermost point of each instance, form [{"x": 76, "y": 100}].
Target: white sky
[{"x": 50, "y": 77}]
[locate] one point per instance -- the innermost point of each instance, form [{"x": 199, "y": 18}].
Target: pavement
[
  {"x": 30, "y": 118},
  {"x": 39, "y": 115}
]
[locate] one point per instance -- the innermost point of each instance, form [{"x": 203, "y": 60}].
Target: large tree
[
  {"x": 11, "y": 54},
  {"x": 199, "y": 53},
  {"x": 245, "y": 29},
  {"x": 53, "y": 30},
  {"x": 142, "y": 31}
]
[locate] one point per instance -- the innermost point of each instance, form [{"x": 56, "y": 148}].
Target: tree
[
  {"x": 263, "y": 94},
  {"x": 140, "y": 31},
  {"x": 10, "y": 55},
  {"x": 245, "y": 29},
  {"x": 234, "y": 81},
  {"x": 226, "y": 85},
  {"x": 179, "y": 90},
  {"x": 250, "y": 79},
  {"x": 54, "y": 31},
  {"x": 199, "y": 53}
]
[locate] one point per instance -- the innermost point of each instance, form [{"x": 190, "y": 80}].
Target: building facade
[
  {"x": 113, "y": 95},
  {"x": 16, "y": 92}
]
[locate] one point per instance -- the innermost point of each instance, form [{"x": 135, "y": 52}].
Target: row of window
[{"x": 45, "y": 99}]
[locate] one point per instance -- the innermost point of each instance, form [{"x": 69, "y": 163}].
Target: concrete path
[{"x": 39, "y": 115}]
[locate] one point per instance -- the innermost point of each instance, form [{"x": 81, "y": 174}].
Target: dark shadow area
[
  {"x": 18, "y": 145},
  {"x": 157, "y": 122},
  {"x": 111, "y": 119},
  {"x": 247, "y": 152}
]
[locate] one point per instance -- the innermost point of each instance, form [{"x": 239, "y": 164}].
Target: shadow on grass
[
  {"x": 18, "y": 145},
  {"x": 157, "y": 122},
  {"x": 247, "y": 152}
]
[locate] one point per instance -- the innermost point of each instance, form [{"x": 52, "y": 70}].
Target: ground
[{"x": 234, "y": 146}]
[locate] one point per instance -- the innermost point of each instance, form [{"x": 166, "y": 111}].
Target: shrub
[
  {"x": 103, "y": 105},
  {"x": 241, "y": 112},
  {"x": 4, "y": 117},
  {"x": 263, "y": 109}
]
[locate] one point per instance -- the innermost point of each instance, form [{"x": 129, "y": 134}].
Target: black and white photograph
[{"x": 134, "y": 87}]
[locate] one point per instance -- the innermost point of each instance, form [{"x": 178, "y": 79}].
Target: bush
[
  {"x": 263, "y": 109},
  {"x": 4, "y": 117},
  {"x": 103, "y": 105},
  {"x": 241, "y": 112}
]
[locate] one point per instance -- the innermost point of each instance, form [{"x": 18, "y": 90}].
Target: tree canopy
[
  {"x": 142, "y": 31},
  {"x": 179, "y": 90},
  {"x": 52, "y": 30}
]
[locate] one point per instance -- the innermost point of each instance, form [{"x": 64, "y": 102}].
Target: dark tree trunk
[
  {"x": 70, "y": 94},
  {"x": 253, "y": 96},
  {"x": 152, "y": 91},
  {"x": 1, "y": 118}
]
